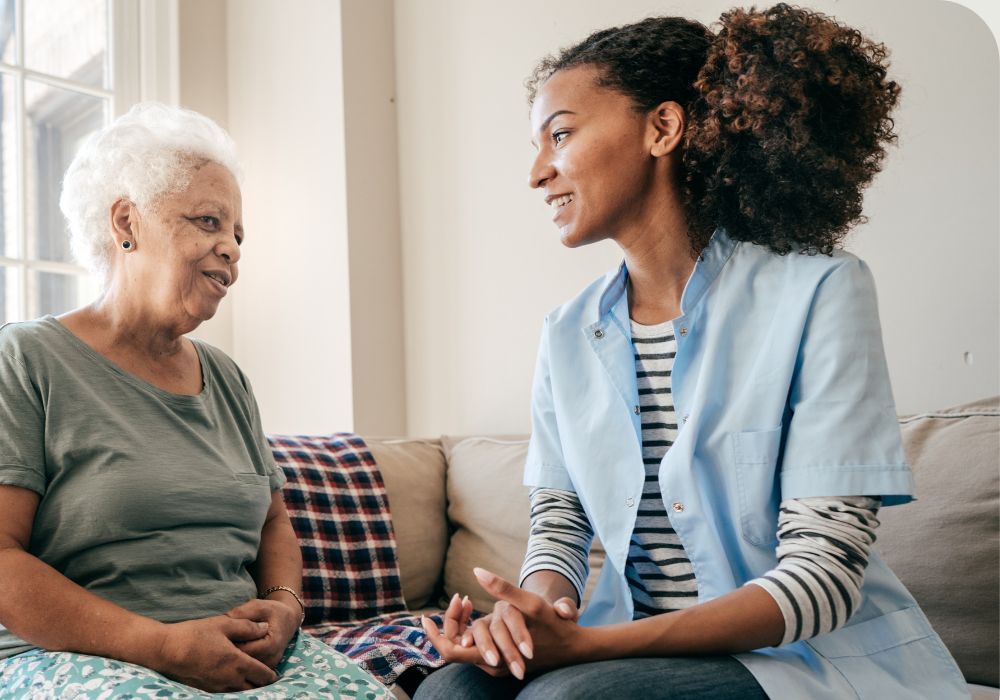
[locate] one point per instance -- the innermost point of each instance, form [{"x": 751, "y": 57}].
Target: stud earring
[{"x": 126, "y": 245}]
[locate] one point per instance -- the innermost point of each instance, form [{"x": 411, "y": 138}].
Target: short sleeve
[
  {"x": 22, "y": 428},
  {"x": 843, "y": 437},
  {"x": 545, "y": 467}
]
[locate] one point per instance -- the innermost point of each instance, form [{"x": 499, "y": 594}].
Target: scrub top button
[
  {"x": 678, "y": 507},
  {"x": 637, "y": 411},
  {"x": 598, "y": 333},
  {"x": 629, "y": 502},
  {"x": 684, "y": 330}
]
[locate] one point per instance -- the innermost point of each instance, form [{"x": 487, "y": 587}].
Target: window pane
[
  {"x": 57, "y": 121},
  {"x": 9, "y": 293},
  {"x": 8, "y": 49},
  {"x": 67, "y": 39},
  {"x": 55, "y": 293},
  {"x": 9, "y": 238}
]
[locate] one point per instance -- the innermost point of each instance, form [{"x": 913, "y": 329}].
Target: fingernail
[
  {"x": 465, "y": 600},
  {"x": 565, "y": 608},
  {"x": 466, "y": 642},
  {"x": 483, "y": 575},
  {"x": 263, "y": 625},
  {"x": 491, "y": 658},
  {"x": 518, "y": 672},
  {"x": 453, "y": 598},
  {"x": 525, "y": 649}
]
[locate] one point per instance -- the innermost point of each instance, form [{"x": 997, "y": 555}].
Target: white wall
[
  {"x": 291, "y": 325},
  {"x": 482, "y": 264}
]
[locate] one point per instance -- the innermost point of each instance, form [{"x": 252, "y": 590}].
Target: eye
[
  {"x": 559, "y": 136},
  {"x": 210, "y": 221}
]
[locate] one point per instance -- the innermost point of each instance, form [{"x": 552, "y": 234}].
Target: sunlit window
[{"x": 55, "y": 89}]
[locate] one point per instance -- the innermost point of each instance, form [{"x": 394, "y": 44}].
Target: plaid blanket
[{"x": 337, "y": 502}]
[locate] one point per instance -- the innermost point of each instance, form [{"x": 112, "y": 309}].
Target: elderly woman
[{"x": 144, "y": 544}]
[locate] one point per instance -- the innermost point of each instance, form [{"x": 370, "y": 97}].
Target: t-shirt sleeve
[
  {"x": 22, "y": 428},
  {"x": 544, "y": 467},
  {"x": 843, "y": 437}
]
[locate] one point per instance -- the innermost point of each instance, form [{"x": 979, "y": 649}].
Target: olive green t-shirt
[{"x": 152, "y": 500}]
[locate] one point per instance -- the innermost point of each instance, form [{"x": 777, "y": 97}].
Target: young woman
[{"x": 718, "y": 409}]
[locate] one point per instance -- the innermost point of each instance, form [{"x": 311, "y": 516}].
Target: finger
[
  {"x": 250, "y": 610},
  {"x": 566, "y": 609},
  {"x": 466, "y": 612},
  {"x": 484, "y": 643},
  {"x": 448, "y": 650},
  {"x": 451, "y": 617},
  {"x": 498, "y": 672},
  {"x": 256, "y": 672},
  {"x": 507, "y": 646},
  {"x": 528, "y": 603},
  {"x": 514, "y": 621},
  {"x": 239, "y": 630}
]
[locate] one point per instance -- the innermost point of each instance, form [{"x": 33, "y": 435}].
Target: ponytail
[{"x": 791, "y": 124}]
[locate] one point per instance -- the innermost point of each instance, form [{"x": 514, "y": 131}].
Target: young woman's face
[{"x": 594, "y": 164}]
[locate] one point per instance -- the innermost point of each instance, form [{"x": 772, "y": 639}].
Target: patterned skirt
[{"x": 309, "y": 669}]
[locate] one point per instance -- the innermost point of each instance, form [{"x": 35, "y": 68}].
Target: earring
[{"x": 126, "y": 245}]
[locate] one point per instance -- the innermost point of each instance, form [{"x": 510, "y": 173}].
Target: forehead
[
  {"x": 573, "y": 89},
  {"x": 209, "y": 180}
]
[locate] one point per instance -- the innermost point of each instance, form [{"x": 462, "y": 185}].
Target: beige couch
[{"x": 458, "y": 503}]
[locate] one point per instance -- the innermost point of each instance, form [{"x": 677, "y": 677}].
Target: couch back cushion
[
  {"x": 489, "y": 511},
  {"x": 338, "y": 507},
  {"x": 944, "y": 547},
  {"x": 414, "y": 473}
]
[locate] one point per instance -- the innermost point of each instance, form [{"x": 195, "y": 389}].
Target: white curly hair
[{"x": 148, "y": 152}]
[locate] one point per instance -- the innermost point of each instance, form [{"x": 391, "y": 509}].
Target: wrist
[
  {"x": 146, "y": 645},
  {"x": 288, "y": 597}
]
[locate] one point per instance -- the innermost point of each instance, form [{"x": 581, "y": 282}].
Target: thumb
[
  {"x": 244, "y": 630},
  {"x": 566, "y": 608}
]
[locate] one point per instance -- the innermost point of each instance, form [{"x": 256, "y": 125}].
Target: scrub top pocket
[{"x": 755, "y": 454}]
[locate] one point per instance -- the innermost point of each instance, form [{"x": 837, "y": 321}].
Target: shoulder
[
  {"x": 584, "y": 308},
  {"x": 222, "y": 365},
  {"x": 796, "y": 273},
  {"x": 24, "y": 339}
]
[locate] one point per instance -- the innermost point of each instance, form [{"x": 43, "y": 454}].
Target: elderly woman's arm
[
  {"x": 46, "y": 609},
  {"x": 279, "y": 563}
]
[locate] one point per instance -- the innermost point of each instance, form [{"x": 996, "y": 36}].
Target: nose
[
  {"x": 542, "y": 170},
  {"x": 229, "y": 250}
]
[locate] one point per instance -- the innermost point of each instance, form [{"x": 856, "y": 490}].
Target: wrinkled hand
[
  {"x": 204, "y": 654},
  {"x": 508, "y": 631},
  {"x": 282, "y": 623}
]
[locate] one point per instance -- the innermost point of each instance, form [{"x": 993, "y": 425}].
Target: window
[{"x": 56, "y": 86}]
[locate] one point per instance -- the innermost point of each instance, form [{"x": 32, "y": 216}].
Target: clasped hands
[
  {"x": 524, "y": 631},
  {"x": 231, "y": 652}
]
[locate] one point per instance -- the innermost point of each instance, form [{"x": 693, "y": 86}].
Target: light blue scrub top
[{"x": 781, "y": 386}]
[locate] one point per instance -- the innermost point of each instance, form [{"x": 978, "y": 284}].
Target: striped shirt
[{"x": 823, "y": 546}]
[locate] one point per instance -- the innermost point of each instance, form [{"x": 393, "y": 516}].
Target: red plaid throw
[
  {"x": 336, "y": 500},
  {"x": 354, "y": 599}
]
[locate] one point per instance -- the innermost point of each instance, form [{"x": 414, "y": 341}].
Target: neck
[
  {"x": 137, "y": 328},
  {"x": 659, "y": 261}
]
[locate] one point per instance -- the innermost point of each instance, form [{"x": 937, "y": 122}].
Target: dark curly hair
[{"x": 788, "y": 117}]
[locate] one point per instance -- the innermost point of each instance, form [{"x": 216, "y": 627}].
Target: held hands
[
  {"x": 204, "y": 654},
  {"x": 524, "y": 629},
  {"x": 282, "y": 622}
]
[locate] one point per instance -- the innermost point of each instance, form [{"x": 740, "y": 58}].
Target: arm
[
  {"x": 45, "y": 608},
  {"x": 279, "y": 563}
]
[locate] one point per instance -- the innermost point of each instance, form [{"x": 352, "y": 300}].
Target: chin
[{"x": 575, "y": 239}]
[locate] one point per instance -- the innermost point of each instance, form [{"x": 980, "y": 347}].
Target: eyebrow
[{"x": 548, "y": 119}]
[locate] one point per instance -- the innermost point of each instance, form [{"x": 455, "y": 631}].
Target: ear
[
  {"x": 666, "y": 128},
  {"x": 124, "y": 220}
]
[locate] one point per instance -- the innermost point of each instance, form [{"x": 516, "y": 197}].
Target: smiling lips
[
  {"x": 557, "y": 202},
  {"x": 222, "y": 279}
]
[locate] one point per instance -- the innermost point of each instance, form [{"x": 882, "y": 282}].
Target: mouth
[
  {"x": 558, "y": 202},
  {"x": 219, "y": 277}
]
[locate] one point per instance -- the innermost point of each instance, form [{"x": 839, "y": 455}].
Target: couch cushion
[
  {"x": 414, "y": 471},
  {"x": 489, "y": 511},
  {"x": 944, "y": 546},
  {"x": 338, "y": 507}
]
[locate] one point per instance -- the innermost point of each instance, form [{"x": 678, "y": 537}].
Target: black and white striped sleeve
[
  {"x": 823, "y": 549},
  {"x": 560, "y": 537}
]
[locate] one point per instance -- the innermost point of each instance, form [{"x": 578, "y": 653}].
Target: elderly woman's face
[{"x": 191, "y": 245}]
